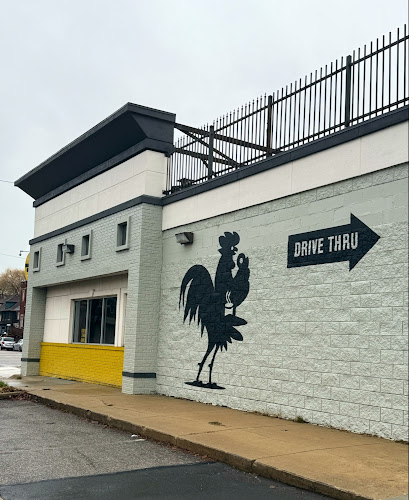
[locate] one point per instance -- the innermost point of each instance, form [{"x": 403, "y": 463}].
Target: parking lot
[
  {"x": 10, "y": 363},
  {"x": 56, "y": 455}
]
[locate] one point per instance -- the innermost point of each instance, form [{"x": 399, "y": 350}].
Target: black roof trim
[
  {"x": 125, "y": 128},
  {"x": 146, "y": 144},
  {"x": 360, "y": 130}
]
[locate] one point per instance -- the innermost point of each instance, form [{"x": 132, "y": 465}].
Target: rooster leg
[
  {"x": 211, "y": 365},
  {"x": 209, "y": 350}
]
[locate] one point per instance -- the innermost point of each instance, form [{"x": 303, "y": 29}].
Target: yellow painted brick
[{"x": 87, "y": 363}]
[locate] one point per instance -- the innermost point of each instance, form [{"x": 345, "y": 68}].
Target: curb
[
  {"x": 244, "y": 464},
  {"x": 7, "y": 395}
]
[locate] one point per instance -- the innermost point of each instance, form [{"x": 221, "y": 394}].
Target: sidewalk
[{"x": 336, "y": 463}]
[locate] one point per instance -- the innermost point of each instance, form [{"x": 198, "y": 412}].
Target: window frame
[
  {"x": 87, "y": 320},
  {"x": 125, "y": 246},
  {"x": 88, "y": 255},
  {"x": 38, "y": 267},
  {"x": 62, "y": 261}
]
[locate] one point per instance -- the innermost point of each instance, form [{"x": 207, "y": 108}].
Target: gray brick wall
[
  {"x": 141, "y": 262},
  {"x": 322, "y": 342},
  {"x": 34, "y": 323},
  {"x": 142, "y": 320}
]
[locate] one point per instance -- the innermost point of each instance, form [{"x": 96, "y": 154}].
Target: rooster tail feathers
[
  {"x": 200, "y": 290},
  {"x": 189, "y": 276}
]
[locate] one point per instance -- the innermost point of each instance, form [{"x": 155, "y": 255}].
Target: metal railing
[{"x": 370, "y": 82}]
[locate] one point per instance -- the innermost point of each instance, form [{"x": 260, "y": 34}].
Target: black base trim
[
  {"x": 139, "y": 374},
  {"x": 31, "y": 360},
  {"x": 149, "y": 200}
]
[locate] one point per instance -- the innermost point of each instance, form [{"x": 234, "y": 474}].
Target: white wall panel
[
  {"x": 58, "y": 324},
  {"x": 385, "y": 148},
  {"x": 367, "y": 154},
  {"x": 142, "y": 174}
]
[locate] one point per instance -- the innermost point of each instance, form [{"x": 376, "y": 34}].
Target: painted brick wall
[
  {"x": 87, "y": 363},
  {"x": 141, "y": 262},
  {"x": 322, "y": 342},
  {"x": 34, "y": 323}
]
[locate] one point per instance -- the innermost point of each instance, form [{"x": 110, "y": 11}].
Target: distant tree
[{"x": 10, "y": 281}]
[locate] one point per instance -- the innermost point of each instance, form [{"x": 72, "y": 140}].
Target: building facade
[{"x": 287, "y": 296}]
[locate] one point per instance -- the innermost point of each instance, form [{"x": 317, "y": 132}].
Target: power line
[
  {"x": 2, "y": 180},
  {"x": 8, "y": 255}
]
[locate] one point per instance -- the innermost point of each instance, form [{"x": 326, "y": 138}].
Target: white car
[
  {"x": 7, "y": 343},
  {"x": 18, "y": 346}
]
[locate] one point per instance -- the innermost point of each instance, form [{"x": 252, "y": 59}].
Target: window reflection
[{"x": 95, "y": 320}]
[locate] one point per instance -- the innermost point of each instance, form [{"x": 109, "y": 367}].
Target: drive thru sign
[{"x": 335, "y": 244}]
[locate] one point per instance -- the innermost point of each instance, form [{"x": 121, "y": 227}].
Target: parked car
[
  {"x": 7, "y": 343},
  {"x": 18, "y": 346}
]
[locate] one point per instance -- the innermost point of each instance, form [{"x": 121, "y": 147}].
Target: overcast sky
[{"x": 66, "y": 65}]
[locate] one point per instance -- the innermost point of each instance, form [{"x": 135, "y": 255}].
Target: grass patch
[{"x": 4, "y": 387}]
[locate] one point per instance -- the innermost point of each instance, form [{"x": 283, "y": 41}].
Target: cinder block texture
[
  {"x": 142, "y": 317},
  {"x": 321, "y": 342},
  {"x": 142, "y": 264},
  {"x": 33, "y": 329}
]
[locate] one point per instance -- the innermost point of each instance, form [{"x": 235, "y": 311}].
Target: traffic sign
[{"x": 26, "y": 266}]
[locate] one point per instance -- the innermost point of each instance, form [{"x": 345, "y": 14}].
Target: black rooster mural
[{"x": 209, "y": 303}]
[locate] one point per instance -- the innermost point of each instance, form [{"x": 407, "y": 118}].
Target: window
[
  {"x": 60, "y": 255},
  {"x": 86, "y": 246},
  {"x": 122, "y": 235},
  {"x": 37, "y": 260},
  {"x": 95, "y": 320}
]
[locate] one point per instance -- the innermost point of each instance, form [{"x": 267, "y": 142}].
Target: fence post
[
  {"x": 210, "y": 161},
  {"x": 348, "y": 91},
  {"x": 269, "y": 123}
]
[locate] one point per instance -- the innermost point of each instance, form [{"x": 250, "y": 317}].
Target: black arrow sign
[{"x": 335, "y": 244}]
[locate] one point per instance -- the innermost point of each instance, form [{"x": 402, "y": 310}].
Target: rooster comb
[{"x": 229, "y": 240}]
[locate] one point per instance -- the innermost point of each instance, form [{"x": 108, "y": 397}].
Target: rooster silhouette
[{"x": 209, "y": 303}]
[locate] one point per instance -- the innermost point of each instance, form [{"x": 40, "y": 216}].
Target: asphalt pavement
[
  {"x": 10, "y": 363},
  {"x": 48, "y": 454}
]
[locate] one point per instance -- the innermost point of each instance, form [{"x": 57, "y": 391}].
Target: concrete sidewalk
[{"x": 336, "y": 463}]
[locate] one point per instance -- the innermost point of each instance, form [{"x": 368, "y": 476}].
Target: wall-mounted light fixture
[
  {"x": 66, "y": 248},
  {"x": 184, "y": 238}
]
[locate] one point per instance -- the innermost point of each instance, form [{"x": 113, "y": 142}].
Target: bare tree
[{"x": 10, "y": 281}]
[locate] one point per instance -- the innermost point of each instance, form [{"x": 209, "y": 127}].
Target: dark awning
[{"x": 127, "y": 127}]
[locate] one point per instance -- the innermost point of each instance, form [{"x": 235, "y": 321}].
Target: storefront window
[{"x": 94, "y": 320}]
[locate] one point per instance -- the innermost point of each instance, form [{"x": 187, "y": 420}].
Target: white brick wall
[
  {"x": 322, "y": 342},
  {"x": 142, "y": 265}
]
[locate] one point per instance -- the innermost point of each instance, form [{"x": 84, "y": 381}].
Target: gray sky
[{"x": 66, "y": 65}]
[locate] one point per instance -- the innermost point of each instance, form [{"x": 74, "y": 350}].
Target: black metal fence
[{"x": 370, "y": 82}]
